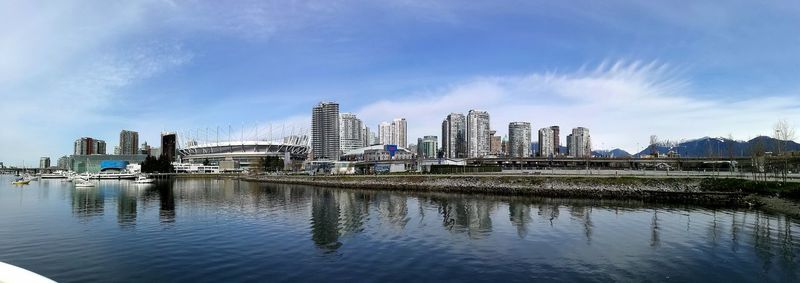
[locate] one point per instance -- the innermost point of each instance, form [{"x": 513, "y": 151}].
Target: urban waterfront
[{"x": 201, "y": 230}]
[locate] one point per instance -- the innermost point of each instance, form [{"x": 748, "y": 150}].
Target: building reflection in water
[
  {"x": 354, "y": 209},
  {"x": 325, "y": 220},
  {"x": 519, "y": 213},
  {"x": 392, "y": 209},
  {"x": 87, "y": 202},
  {"x": 548, "y": 211},
  {"x": 166, "y": 204},
  {"x": 655, "y": 238},
  {"x": 336, "y": 215},
  {"x": 583, "y": 214},
  {"x": 465, "y": 215},
  {"x": 126, "y": 207}
]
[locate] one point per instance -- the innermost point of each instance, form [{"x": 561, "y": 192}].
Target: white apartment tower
[
  {"x": 350, "y": 132},
  {"x": 519, "y": 139},
  {"x": 385, "y": 133},
  {"x": 395, "y": 132},
  {"x": 400, "y": 132},
  {"x": 478, "y": 133},
  {"x": 579, "y": 143},
  {"x": 546, "y": 145}
]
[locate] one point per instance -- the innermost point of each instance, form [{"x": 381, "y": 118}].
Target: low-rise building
[
  {"x": 376, "y": 153},
  {"x": 194, "y": 168},
  {"x": 93, "y": 163}
]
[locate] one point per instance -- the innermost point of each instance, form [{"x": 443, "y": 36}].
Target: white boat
[
  {"x": 113, "y": 176},
  {"x": 80, "y": 183},
  {"x": 144, "y": 180},
  {"x": 13, "y": 274},
  {"x": 53, "y": 176}
]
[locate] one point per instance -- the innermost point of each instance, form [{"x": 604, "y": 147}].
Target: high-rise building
[
  {"x": 546, "y": 148},
  {"x": 374, "y": 138},
  {"x": 427, "y": 146},
  {"x": 325, "y": 131},
  {"x": 100, "y": 145},
  {"x": 478, "y": 129},
  {"x": 89, "y": 146},
  {"x": 519, "y": 139},
  {"x": 44, "y": 162},
  {"x": 145, "y": 149},
  {"x": 556, "y": 140},
  {"x": 400, "y": 132},
  {"x": 169, "y": 144},
  {"x": 366, "y": 136},
  {"x": 570, "y": 149},
  {"x": 63, "y": 163},
  {"x": 495, "y": 144},
  {"x": 579, "y": 143},
  {"x": 454, "y": 136},
  {"x": 385, "y": 133},
  {"x": 128, "y": 142},
  {"x": 350, "y": 132},
  {"x": 395, "y": 132}
]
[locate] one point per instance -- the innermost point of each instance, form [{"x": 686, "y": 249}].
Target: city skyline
[{"x": 624, "y": 70}]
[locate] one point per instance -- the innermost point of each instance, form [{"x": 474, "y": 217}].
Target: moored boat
[
  {"x": 21, "y": 181},
  {"x": 80, "y": 183},
  {"x": 142, "y": 179}
]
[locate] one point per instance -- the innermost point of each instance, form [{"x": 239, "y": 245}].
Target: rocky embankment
[{"x": 656, "y": 189}]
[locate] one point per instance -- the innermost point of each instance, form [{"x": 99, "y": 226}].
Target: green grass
[{"x": 790, "y": 190}]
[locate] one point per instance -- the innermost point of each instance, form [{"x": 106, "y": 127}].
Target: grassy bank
[{"x": 777, "y": 189}]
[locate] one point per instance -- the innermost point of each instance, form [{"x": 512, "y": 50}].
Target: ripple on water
[{"x": 221, "y": 230}]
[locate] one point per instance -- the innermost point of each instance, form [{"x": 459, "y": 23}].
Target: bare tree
[
  {"x": 730, "y": 147},
  {"x": 757, "y": 153},
  {"x": 784, "y": 133}
]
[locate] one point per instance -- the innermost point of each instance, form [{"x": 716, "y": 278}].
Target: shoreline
[
  {"x": 646, "y": 189},
  {"x": 733, "y": 193}
]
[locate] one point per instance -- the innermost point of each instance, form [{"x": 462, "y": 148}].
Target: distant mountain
[
  {"x": 706, "y": 146},
  {"x": 611, "y": 153}
]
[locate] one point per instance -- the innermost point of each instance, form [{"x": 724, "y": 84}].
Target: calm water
[{"x": 230, "y": 231}]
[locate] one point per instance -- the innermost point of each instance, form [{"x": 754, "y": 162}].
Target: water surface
[{"x": 205, "y": 230}]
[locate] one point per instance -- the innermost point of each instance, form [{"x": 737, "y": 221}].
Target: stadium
[{"x": 246, "y": 154}]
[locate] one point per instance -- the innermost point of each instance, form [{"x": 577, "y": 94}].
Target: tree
[
  {"x": 271, "y": 163},
  {"x": 157, "y": 165},
  {"x": 784, "y": 133}
]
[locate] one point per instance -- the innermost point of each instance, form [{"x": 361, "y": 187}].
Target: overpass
[{"x": 595, "y": 163}]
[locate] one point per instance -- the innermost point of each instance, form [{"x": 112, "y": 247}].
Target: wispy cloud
[
  {"x": 622, "y": 103},
  {"x": 64, "y": 72}
]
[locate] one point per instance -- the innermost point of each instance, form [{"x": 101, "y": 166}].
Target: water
[{"x": 228, "y": 231}]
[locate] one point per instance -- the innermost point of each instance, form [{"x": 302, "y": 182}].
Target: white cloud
[
  {"x": 622, "y": 104},
  {"x": 63, "y": 70}
]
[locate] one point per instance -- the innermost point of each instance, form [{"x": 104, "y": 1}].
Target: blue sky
[{"x": 625, "y": 69}]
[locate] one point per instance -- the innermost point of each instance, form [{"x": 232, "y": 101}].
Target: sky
[{"x": 624, "y": 69}]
